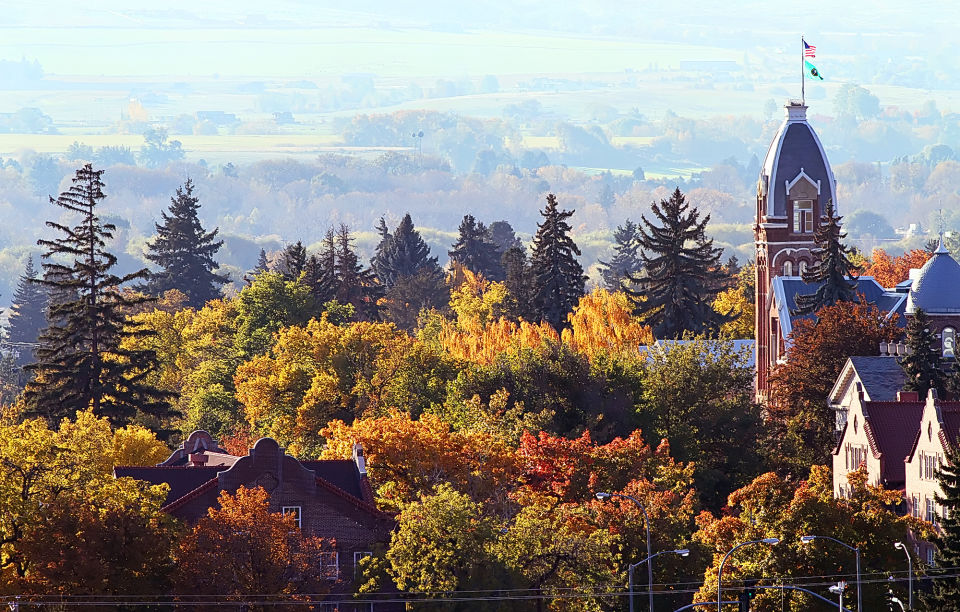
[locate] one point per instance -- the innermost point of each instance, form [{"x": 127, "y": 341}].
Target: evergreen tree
[
  {"x": 356, "y": 285},
  {"x": 262, "y": 264},
  {"x": 833, "y": 269},
  {"x": 558, "y": 280},
  {"x": 519, "y": 284},
  {"x": 383, "y": 254},
  {"x": 28, "y": 314},
  {"x": 501, "y": 234},
  {"x": 475, "y": 251},
  {"x": 184, "y": 252},
  {"x": 625, "y": 262},
  {"x": 320, "y": 273},
  {"x": 945, "y": 594},
  {"x": 403, "y": 253},
  {"x": 682, "y": 271},
  {"x": 921, "y": 365},
  {"x": 80, "y": 362},
  {"x": 293, "y": 262}
]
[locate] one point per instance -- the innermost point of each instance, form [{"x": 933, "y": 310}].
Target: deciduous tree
[{"x": 890, "y": 271}]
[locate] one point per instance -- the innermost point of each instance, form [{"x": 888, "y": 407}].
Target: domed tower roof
[
  {"x": 937, "y": 287},
  {"x": 794, "y": 153}
]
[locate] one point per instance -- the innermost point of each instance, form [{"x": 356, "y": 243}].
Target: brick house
[{"x": 331, "y": 499}]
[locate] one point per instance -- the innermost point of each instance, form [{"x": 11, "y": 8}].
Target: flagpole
[{"x": 803, "y": 76}]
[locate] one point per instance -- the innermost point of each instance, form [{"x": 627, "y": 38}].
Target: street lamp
[
  {"x": 856, "y": 549},
  {"x": 903, "y": 547},
  {"x": 838, "y": 590},
  {"x": 771, "y": 541},
  {"x": 683, "y": 552},
  {"x": 646, "y": 523}
]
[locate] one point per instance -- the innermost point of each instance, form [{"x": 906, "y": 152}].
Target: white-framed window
[
  {"x": 854, "y": 455},
  {"x": 915, "y": 505},
  {"x": 296, "y": 512},
  {"x": 802, "y": 216},
  {"x": 788, "y": 268},
  {"x": 948, "y": 341},
  {"x": 931, "y": 556},
  {"x": 931, "y": 511},
  {"x": 802, "y": 266},
  {"x": 357, "y": 556},
  {"x": 928, "y": 465},
  {"x": 330, "y": 565}
]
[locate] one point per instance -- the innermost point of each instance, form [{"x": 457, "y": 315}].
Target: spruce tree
[
  {"x": 625, "y": 262},
  {"x": 945, "y": 594},
  {"x": 833, "y": 268},
  {"x": 262, "y": 264},
  {"x": 185, "y": 252},
  {"x": 293, "y": 262},
  {"x": 28, "y": 314},
  {"x": 475, "y": 251},
  {"x": 558, "y": 280},
  {"x": 320, "y": 273},
  {"x": 80, "y": 361},
  {"x": 501, "y": 234},
  {"x": 921, "y": 365},
  {"x": 682, "y": 271},
  {"x": 404, "y": 253}
]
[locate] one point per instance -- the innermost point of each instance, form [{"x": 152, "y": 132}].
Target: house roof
[
  {"x": 890, "y": 428},
  {"x": 787, "y": 288},
  {"x": 881, "y": 376},
  {"x": 342, "y": 473},
  {"x": 182, "y": 478}
]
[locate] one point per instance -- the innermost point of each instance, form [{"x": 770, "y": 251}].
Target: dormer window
[{"x": 802, "y": 216}]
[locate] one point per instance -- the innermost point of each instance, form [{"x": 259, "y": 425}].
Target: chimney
[
  {"x": 358, "y": 458},
  {"x": 197, "y": 459}
]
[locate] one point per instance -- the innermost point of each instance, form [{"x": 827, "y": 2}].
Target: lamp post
[
  {"x": 683, "y": 552},
  {"x": 856, "y": 549},
  {"x": 771, "y": 541},
  {"x": 646, "y": 523},
  {"x": 903, "y": 547},
  {"x": 838, "y": 589}
]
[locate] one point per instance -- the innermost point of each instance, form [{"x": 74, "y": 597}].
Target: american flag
[{"x": 809, "y": 50}]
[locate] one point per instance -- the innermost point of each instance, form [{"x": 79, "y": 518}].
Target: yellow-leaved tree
[{"x": 603, "y": 324}]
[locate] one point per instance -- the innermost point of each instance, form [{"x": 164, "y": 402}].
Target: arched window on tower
[
  {"x": 802, "y": 267},
  {"x": 788, "y": 268},
  {"x": 948, "y": 341}
]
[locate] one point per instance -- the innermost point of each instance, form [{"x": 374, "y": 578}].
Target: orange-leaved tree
[
  {"x": 602, "y": 323},
  {"x": 889, "y": 271},
  {"x": 787, "y": 509},
  {"x": 407, "y": 457},
  {"x": 243, "y": 552},
  {"x": 801, "y": 424}
]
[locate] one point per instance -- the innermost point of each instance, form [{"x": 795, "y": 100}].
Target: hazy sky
[{"x": 289, "y": 39}]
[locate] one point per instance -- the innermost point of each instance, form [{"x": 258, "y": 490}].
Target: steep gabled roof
[
  {"x": 891, "y": 428},
  {"x": 182, "y": 478}
]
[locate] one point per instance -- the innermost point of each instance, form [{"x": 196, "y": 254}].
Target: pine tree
[
  {"x": 558, "y": 280},
  {"x": 833, "y": 269},
  {"x": 921, "y": 365},
  {"x": 293, "y": 262},
  {"x": 625, "y": 262},
  {"x": 946, "y": 587},
  {"x": 475, "y": 251},
  {"x": 383, "y": 253},
  {"x": 320, "y": 273},
  {"x": 682, "y": 271},
  {"x": 28, "y": 314},
  {"x": 80, "y": 362},
  {"x": 185, "y": 252}
]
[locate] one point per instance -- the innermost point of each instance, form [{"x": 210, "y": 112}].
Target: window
[
  {"x": 802, "y": 216},
  {"x": 931, "y": 559},
  {"x": 803, "y": 267},
  {"x": 330, "y": 565},
  {"x": 929, "y": 463},
  {"x": 788, "y": 268},
  {"x": 915, "y": 505},
  {"x": 931, "y": 514},
  {"x": 357, "y": 556},
  {"x": 948, "y": 340},
  {"x": 855, "y": 456},
  {"x": 295, "y": 511}
]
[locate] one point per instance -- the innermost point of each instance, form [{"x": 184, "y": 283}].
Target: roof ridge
[
  {"x": 364, "y": 505},
  {"x": 191, "y": 495}
]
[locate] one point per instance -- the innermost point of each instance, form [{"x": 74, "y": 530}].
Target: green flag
[{"x": 812, "y": 70}]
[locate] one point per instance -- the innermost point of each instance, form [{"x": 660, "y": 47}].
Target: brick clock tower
[{"x": 794, "y": 186}]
